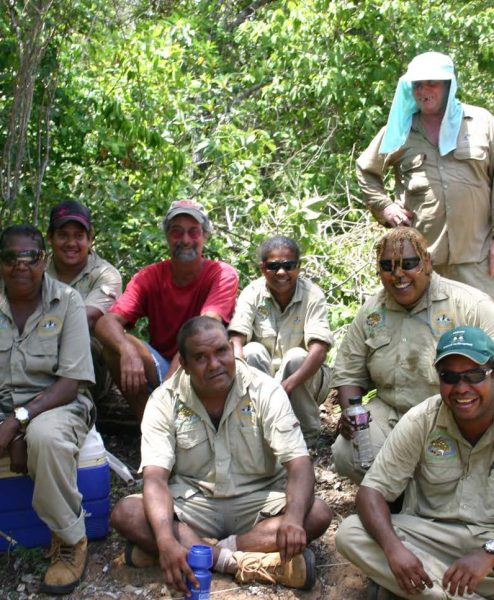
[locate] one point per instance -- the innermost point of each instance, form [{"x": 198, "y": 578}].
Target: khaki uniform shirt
[
  {"x": 451, "y": 480},
  {"x": 257, "y": 433},
  {"x": 393, "y": 350},
  {"x": 99, "y": 283},
  {"x": 259, "y": 318},
  {"x": 451, "y": 196},
  {"x": 54, "y": 343}
]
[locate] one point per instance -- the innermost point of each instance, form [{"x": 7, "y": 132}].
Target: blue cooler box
[{"x": 19, "y": 521}]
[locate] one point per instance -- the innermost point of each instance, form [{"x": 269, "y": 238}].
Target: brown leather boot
[
  {"x": 299, "y": 572},
  {"x": 66, "y": 568}
]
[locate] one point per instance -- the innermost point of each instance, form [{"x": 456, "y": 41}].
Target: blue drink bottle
[{"x": 200, "y": 559}]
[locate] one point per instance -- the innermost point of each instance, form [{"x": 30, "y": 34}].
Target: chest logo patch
[
  {"x": 441, "y": 446},
  {"x": 443, "y": 322},
  {"x": 375, "y": 320},
  {"x": 49, "y": 326},
  {"x": 185, "y": 417}
]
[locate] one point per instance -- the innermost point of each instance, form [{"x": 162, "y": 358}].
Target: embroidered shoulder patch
[{"x": 262, "y": 312}]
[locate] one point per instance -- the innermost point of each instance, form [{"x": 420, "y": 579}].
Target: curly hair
[
  {"x": 395, "y": 240},
  {"x": 278, "y": 242}
]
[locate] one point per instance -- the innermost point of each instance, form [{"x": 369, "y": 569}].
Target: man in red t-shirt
[{"x": 168, "y": 293}]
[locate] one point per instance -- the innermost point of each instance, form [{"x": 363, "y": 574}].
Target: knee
[
  {"x": 293, "y": 359},
  {"x": 343, "y": 459},
  {"x": 345, "y": 537},
  {"x": 125, "y": 514},
  {"x": 320, "y": 518}
]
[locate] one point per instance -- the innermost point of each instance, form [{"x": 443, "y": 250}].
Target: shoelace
[{"x": 254, "y": 564}]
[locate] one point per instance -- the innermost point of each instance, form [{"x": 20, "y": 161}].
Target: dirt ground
[{"x": 22, "y": 569}]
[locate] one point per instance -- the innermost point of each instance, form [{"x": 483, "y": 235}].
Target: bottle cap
[
  {"x": 200, "y": 557},
  {"x": 355, "y": 400}
]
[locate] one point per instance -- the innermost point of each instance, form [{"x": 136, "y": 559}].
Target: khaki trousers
[
  {"x": 437, "y": 544},
  {"x": 306, "y": 398},
  {"x": 53, "y": 440}
]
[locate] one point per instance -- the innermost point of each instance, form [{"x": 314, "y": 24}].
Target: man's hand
[
  {"x": 408, "y": 570},
  {"x": 18, "y": 456},
  {"x": 173, "y": 563},
  {"x": 395, "y": 214},
  {"x": 345, "y": 426},
  {"x": 132, "y": 373},
  {"x": 491, "y": 259},
  {"x": 291, "y": 539},
  {"x": 288, "y": 386},
  {"x": 465, "y": 574},
  {"x": 8, "y": 430}
]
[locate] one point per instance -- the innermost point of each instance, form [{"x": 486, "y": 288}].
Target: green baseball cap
[{"x": 471, "y": 342}]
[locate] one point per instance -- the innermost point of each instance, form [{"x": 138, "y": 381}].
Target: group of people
[{"x": 228, "y": 389}]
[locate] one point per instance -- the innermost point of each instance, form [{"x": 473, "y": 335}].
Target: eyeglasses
[
  {"x": 407, "y": 264},
  {"x": 276, "y": 265},
  {"x": 31, "y": 258},
  {"x": 177, "y": 233},
  {"x": 471, "y": 376}
]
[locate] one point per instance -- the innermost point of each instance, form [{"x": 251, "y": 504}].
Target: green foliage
[{"x": 257, "y": 115}]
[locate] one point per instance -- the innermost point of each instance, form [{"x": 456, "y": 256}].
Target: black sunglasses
[
  {"x": 407, "y": 264},
  {"x": 276, "y": 265},
  {"x": 471, "y": 376},
  {"x": 28, "y": 257}
]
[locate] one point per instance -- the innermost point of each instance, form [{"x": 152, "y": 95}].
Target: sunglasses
[
  {"x": 276, "y": 265},
  {"x": 407, "y": 264},
  {"x": 471, "y": 376},
  {"x": 31, "y": 258}
]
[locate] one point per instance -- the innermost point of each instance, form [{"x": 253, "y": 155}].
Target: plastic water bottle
[
  {"x": 363, "y": 453},
  {"x": 200, "y": 559}
]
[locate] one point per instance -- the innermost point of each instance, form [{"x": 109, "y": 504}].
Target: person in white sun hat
[{"x": 442, "y": 154}]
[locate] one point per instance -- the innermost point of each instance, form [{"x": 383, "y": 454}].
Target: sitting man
[
  {"x": 74, "y": 262},
  {"x": 390, "y": 345},
  {"x": 168, "y": 293},
  {"x": 284, "y": 318},
  {"x": 45, "y": 410},
  {"x": 223, "y": 457},
  {"x": 441, "y": 454}
]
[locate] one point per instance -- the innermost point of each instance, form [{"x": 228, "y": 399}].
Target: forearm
[
  {"x": 110, "y": 331},
  {"x": 238, "y": 342},
  {"x": 174, "y": 365},
  {"x": 62, "y": 392},
  {"x": 374, "y": 513},
  {"x": 93, "y": 315},
  {"x": 299, "y": 488},
  {"x": 310, "y": 366},
  {"x": 158, "y": 506}
]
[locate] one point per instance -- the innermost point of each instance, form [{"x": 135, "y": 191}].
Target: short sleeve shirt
[
  {"x": 53, "y": 344},
  {"x": 453, "y": 480},
  {"x": 258, "y": 432},
  {"x": 152, "y": 293},
  {"x": 99, "y": 283},
  {"x": 259, "y": 317},
  {"x": 392, "y": 349}
]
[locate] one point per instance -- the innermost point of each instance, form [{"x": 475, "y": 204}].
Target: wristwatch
[
  {"x": 22, "y": 415},
  {"x": 488, "y": 546}
]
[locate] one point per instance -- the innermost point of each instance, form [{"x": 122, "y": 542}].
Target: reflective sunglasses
[
  {"x": 407, "y": 264},
  {"x": 31, "y": 258},
  {"x": 471, "y": 376},
  {"x": 276, "y": 265}
]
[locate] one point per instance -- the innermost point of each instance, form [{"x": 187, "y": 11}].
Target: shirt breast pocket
[
  {"x": 248, "y": 455},
  {"x": 413, "y": 174},
  {"x": 193, "y": 454},
  {"x": 440, "y": 482},
  {"x": 43, "y": 354}
]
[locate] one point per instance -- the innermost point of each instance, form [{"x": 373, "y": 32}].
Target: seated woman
[
  {"x": 284, "y": 317},
  {"x": 390, "y": 346},
  {"x": 45, "y": 414}
]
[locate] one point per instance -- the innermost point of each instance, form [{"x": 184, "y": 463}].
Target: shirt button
[
  {"x": 403, "y": 339},
  {"x": 445, "y": 186}
]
